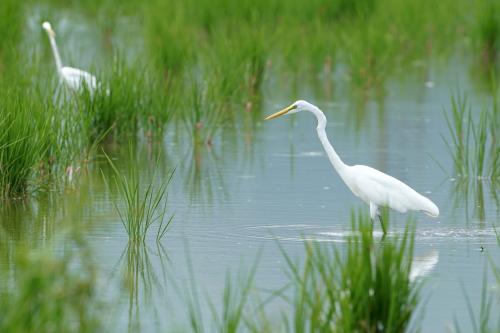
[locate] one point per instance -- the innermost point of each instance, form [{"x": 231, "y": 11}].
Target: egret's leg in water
[
  {"x": 374, "y": 213},
  {"x": 381, "y": 223}
]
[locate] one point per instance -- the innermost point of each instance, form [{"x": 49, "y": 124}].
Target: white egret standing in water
[
  {"x": 74, "y": 78},
  {"x": 372, "y": 186}
]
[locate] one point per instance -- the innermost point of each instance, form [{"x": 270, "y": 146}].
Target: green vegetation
[
  {"x": 125, "y": 98},
  {"x": 10, "y": 32},
  {"x": 141, "y": 208},
  {"x": 366, "y": 289},
  {"x": 210, "y": 60},
  {"x": 48, "y": 295},
  {"x": 475, "y": 152},
  {"x": 488, "y": 32},
  {"x": 24, "y": 139},
  {"x": 474, "y": 143},
  {"x": 193, "y": 71}
]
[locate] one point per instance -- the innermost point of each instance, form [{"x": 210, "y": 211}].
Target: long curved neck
[
  {"x": 337, "y": 163},
  {"x": 55, "y": 51}
]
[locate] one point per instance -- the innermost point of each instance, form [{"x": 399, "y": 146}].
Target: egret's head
[
  {"x": 298, "y": 106},
  {"x": 47, "y": 27}
]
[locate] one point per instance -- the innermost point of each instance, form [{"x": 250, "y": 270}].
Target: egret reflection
[{"x": 424, "y": 265}]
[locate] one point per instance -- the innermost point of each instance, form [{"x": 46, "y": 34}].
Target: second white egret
[
  {"x": 73, "y": 78},
  {"x": 372, "y": 186}
]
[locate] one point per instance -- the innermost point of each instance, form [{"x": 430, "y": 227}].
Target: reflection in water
[
  {"x": 423, "y": 265},
  {"x": 469, "y": 194},
  {"x": 252, "y": 119},
  {"x": 141, "y": 280},
  {"x": 203, "y": 178}
]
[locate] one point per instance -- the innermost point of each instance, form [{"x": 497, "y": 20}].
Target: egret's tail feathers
[{"x": 430, "y": 208}]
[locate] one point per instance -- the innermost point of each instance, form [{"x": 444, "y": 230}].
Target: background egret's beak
[{"x": 282, "y": 112}]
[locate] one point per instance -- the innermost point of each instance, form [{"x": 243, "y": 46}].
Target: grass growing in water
[
  {"x": 141, "y": 208},
  {"x": 24, "y": 138},
  {"x": 202, "y": 117},
  {"x": 366, "y": 289},
  {"x": 126, "y": 97},
  {"x": 470, "y": 140}
]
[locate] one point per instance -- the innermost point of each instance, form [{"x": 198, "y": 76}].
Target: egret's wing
[
  {"x": 375, "y": 189},
  {"x": 75, "y": 77},
  {"x": 384, "y": 190}
]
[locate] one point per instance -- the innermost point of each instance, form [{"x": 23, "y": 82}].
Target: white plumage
[
  {"x": 370, "y": 185},
  {"x": 74, "y": 78},
  {"x": 377, "y": 188}
]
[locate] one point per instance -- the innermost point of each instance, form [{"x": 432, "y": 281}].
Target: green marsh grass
[
  {"x": 10, "y": 33},
  {"x": 475, "y": 153},
  {"x": 365, "y": 289},
  {"x": 24, "y": 139},
  {"x": 202, "y": 116},
  {"x": 473, "y": 143},
  {"x": 488, "y": 32},
  {"x": 126, "y": 98},
  {"x": 171, "y": 42},
  {"x": 142, "y": 205}
]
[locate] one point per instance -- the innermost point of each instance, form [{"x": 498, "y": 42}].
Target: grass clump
[
  {"x": 142, "y": 207},
  {"x": 202, "y": 116},
  {"x": 125, "y": 98},
  {"x": 473, "y": 144},
  {"x": 365, "y": 289},
  {"x": 24, "y": 138}
]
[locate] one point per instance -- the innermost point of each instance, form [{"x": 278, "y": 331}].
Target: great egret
[
  {"x": 74, "y": 78},
  {"x": 372, "y": 186}
]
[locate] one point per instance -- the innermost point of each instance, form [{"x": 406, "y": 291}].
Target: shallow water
[{"x": 269, "y": 183}]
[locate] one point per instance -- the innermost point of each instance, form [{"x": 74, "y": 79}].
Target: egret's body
[
  {"x": 370, "y": 185},
  {"x": 74, "y": 78}
]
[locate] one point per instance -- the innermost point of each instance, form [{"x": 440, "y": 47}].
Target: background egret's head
[
  {"x": 297, "y": 106},
  {"x": 47, "y": 27}
]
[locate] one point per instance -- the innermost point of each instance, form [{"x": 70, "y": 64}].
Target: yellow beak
[{"x": 282, "y": 112}]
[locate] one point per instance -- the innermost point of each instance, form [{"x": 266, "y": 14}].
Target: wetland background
[{"x": 163, "y": 202}]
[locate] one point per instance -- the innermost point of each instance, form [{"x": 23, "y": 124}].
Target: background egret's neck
[
  {"x": 337, "y": 163},
  {"x": 55, "y": 51}
]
